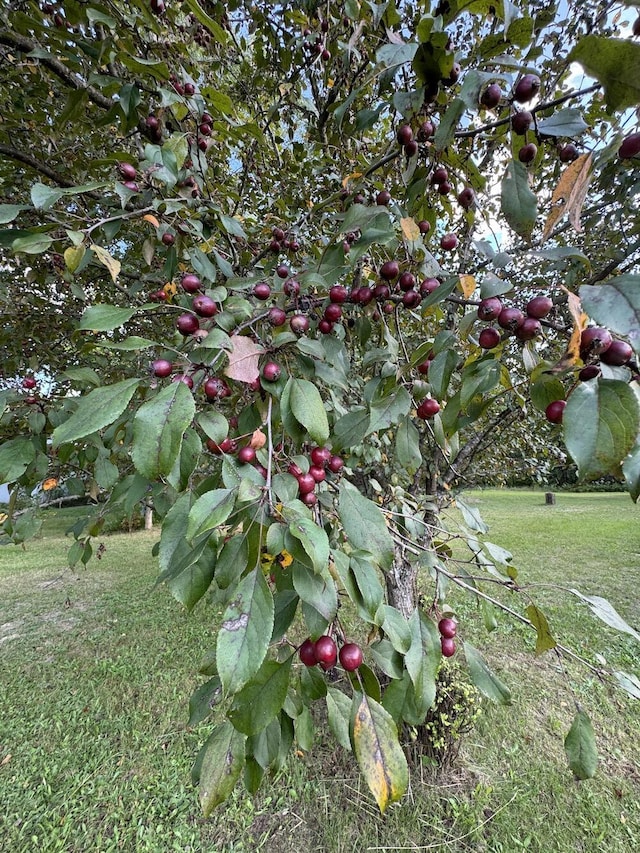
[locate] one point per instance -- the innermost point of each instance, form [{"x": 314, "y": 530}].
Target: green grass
[{"x": 98, "y": 665}]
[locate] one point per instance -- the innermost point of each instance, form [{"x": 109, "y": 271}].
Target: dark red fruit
[
  {"x": 335, "y": 464},
  {"x": 407, "y": 281},
  {"x": 326, "y": 650},
  {"x": 617, "y": 354},
  {"x": 448, "y": 242},
  {"x": 555, "y": 411},
  {"x": 489, "y": 308},
  {"x": 411, "y": 298},
  {"x": 271, "y": 371},
  {"x": 262, "y": 290},
  {"x": 127, "y": 171},
  {"x": 246, "y": 455},
  {"x": 527, "y": 87},
  {"x": 299, "y": 323},
  {"x": 383, "y": 198},
  {"x": 277, "y": 317},
  {"x": 204, "y": 305},
  {"x": 444, "y": 188},
  {"x": 168, "y": 238},
  {"x": 404, "y": 134},
  {"x": 595, "y": 340},
  {"x": 309, "y": 499},
  {"x": 227, "y": 445},
  {"x": 466, "y": 198},
  {"x": 448, "y": 627},
  {"x": 306, "y": 483},
  {"x": 187, "y": 324},
  {"x": 350, "y": 656},
  {"x": 521, "y": 122},
  {"x": 527, "y": 154},
  {"x": 491, "y": 96},
  {"x": 389, "y": 270},
  {"x": 338, "y": 294},
  {"x": 489, "y": 338},
  {"x": 291, "y": 287},
  {"x": 448, "y": 646},
  {"x": 325, "y": 327},
  {"x": 381, "y": 292},
  {"x": 183, "y": 377},
  {"x": 439, "y": 176},
  {"x": 539, "y": 307},
  {"x": 424, "y": 366},
  {"x": 29, "y": 383},
  {"x": 191, "y": 283},
  {"x": 529, "y": 329},
  {"x": 307, "y": 653},
  {"x": 429, "y": 285},
  {"x": 630, "y": 147},
  {"x": 411, "y": 148},
  {"x": 161, "y": 367},
  {"x": 426, "y": 131},
  {"x": 428, "y": 408},
  {"x": 589, "y": 372},
  {"x": 320, "y": 456},
  {"x": 317, "y": 472},
  {"x": 510, "y": 319},
  {"x": 333, "y": 312},
  {"x": 216, "y": 388},
  {"x": 282, "y": 271},
  {"x": 568, "y": 153},
  {"x": 424, "y": 226}
]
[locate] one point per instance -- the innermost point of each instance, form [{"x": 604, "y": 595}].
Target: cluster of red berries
[
  {"x": 318, "y": 47},
  {"x": 321, "y": 459},
  {"x": 324, "y": 652},
  {"x": 280, "y": 240},
  {"x": 448, "y": 629},
  {"x": 525, "y": 325}
]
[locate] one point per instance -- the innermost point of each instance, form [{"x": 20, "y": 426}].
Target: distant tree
[{"x": 283, "y": 270}]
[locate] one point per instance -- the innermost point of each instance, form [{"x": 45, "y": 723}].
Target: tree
[{"x": 282, "y": 270}]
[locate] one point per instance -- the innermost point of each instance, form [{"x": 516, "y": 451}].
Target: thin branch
[
  {"x": 36, "y": 165},
  {"x": 27, "y": 45}
]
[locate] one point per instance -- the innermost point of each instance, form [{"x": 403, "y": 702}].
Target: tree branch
[
  {"x": 36, "y": 165},
  {"x": 27, "y": 45}
]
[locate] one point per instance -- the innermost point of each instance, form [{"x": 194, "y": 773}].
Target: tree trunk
[
  {"x": 402, "y": 586},
  {"x": 148, "y": 517}
]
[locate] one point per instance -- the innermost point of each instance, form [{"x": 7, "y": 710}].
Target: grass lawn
[{"x": 98, "y": 665}]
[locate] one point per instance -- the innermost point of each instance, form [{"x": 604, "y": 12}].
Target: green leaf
[
  {"x": 389, "y": 409},
  {"x": 210, "y": 510},
  {"x": 220, "y": 766},
  {"x": 606, "y": 612},
  {"x": 447, "y": 127},
  {"x": 8, "y": 212},
  {"x": 33, "y": 244},
  {"x": 131, "y": 344},
  {"x": 580, "y": 746},
  {"x": 202, "y": 700},
  {"x": 471, "y": 515},
  {"x": 364, "y": 525},
  {"x": 486, "y": 681},
  {"x": 313, "y": 539},
  {"x": 173, "y": 545},
  {"x": 214, "y": 28},
  {"x": 545, "y": 389},
  {"x": 158, "y": 429},
  {"x": 214, "y": 425},
  {"x": 545, "y": 639},
  {"x": 190, "y": 579},
  {"x": 392, "y": 55},
  {"x": 15, "y": 457},
  {"x": 261, "y": 699},
  {"x": 616, "y": 64},
  {"x": 368, "y": 583},
  {"x": 232, "y": 561},
  {"x": 339, "y": 715},
  {"x": 377, "y": 750},
  {"x": 95, "y": 411},
  {"x": 628, "y": 682},
  {"x": 600, "y": 423},
  {"x": 441, "y": 370},
  {"x": 408, "y": 445},
  {"x": 423, "y": 658},
  {"x": 44, "y": 197},
  {"x": 519, "y": 205},
  {"x": 567, "y": 122},
  {"x": 616, "y": 305},
  {"x": 104, "y": 318},
  {"x": 350, "y": 429},
  {"x": 317, "y": 590},
  {"x": 631, "y": 471},
  {"x": 246, "y": 630},
  {"x": 308, "y": 409}
]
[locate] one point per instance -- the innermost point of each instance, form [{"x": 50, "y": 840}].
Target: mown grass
[{"x": 98, "y": 665}]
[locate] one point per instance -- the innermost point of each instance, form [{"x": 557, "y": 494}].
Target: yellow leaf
[
  {"x": 258, "y": 439},
  {"x": 410, "y": 228},
  {"x": 568, "y": 197},
  {"x": 112, "y": 264},
  {"x": 49, "y": 483},
  {"x": 73, "y": 256},
  {"x": 346, "y": 180},
  {"x": 285, "y": 559},
  {"x": 3, "y": 517},
  {"x": 243, "y": 359},
  {"x": 170, "y": 288},
  {"x": 467, "y": 285},
  {"x": 149, "y": 217},
  {"x": 572, "y": 353}
]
